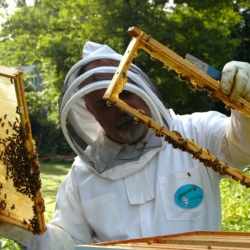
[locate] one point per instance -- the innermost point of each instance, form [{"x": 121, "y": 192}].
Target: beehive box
[{"x": 184, "y": 241}]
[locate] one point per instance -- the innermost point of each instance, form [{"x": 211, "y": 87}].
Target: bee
[
  {"x": 7, "y": 131},
  {"x": 149, "y": 124},
  {"x": 12, "y": 207},
  {"x": 177, "y": 133},
  {"x": 16, "y": 129},
  {"x": 14, "y": 136},
  {"x": 27, "y": 127},
  {"x": 17, "y": 120},
  {"x": 2, "y": 204},
  {"x": 5, "y": 196},
  {"x": 142, "y": 111},
  {"x": 5, "y": 116},
  {"x": 40, "y": 203},
  {"x": 24, "y": 221},
  {"x": 10, "y": 123},
  {"x": 188, "y": 174},
  {"x": 2, "y": 125}
]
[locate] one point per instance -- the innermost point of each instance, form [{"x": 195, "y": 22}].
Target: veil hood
[{"x": 82, "y": 131}]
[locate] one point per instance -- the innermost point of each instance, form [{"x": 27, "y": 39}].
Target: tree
[
  {"x": 242, "y": 31},
  {"x": 54, "y": 32}
]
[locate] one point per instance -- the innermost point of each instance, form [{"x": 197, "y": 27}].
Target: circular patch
[{"x": 188, "y": 196}]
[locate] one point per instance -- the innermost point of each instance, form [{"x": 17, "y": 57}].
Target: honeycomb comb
[{"x": 21, "y": 202}]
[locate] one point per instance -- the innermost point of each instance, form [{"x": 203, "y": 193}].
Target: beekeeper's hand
[
  {"x": 21, "y": 236},
  {"x": 235, "y": 81}
]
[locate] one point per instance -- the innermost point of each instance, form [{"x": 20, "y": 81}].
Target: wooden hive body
[{"x": 185, "y": 241}]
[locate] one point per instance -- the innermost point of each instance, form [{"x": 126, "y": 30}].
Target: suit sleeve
[
  {"x": 68, "y": 226},
  {"x": 236, "y": 142}
]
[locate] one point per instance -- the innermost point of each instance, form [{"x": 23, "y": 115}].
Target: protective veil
[{"x": 82, "y": 131}]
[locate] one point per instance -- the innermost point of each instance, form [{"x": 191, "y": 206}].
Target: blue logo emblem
[{"x": 188, "y": 196}]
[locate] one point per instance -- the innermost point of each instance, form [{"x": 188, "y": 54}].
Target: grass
[{"x": 52, "y": 175}]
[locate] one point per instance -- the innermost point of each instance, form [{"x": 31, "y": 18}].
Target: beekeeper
[{"x": 126, "y": 182}]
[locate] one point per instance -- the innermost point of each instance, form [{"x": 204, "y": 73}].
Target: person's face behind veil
[{"x": 118, "y": 125}]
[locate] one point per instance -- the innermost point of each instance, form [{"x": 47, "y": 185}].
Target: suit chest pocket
[
  {"x": 183, "y": 195},
  {"x": 102, "y": 214}
]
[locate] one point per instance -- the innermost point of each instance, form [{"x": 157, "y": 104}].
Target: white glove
[
  {"x": 235, "y": 80},
  {"x": 17, "y": 234}
]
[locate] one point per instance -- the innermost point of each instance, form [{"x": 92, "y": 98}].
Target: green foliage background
[
  {"x": 235, "y": 206},
  {"x": 51, "y": 35}
]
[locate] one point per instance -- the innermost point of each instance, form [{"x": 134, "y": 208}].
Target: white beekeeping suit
[{"x": 118, "y": 191}]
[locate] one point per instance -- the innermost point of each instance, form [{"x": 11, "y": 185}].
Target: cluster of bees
[
  {"x": 21, "y": 164},
  {"x": 3, "y": 202},
  {"x": 34, "y": 223},
  {"x": 203, "y": 155},
  {"x": 194, "y": 86},
  {"x": 200, "y": 154}
]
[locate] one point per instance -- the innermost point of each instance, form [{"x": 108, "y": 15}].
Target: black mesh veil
[{"x": 80, "y": 128}]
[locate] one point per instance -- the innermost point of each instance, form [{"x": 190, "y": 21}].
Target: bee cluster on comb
[{"x": 21, "y": 201}]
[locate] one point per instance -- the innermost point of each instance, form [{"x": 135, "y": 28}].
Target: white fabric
[
  {"x": 139, "y": 187},
  {"x": 235, "y": 80},
  {"x": 111, "y": 153},
  {"x": 21, "y": 236},
  {"x": 39, "y": 242}
]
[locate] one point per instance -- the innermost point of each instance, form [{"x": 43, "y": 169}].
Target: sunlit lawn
[{"x": 52, "y": 175}]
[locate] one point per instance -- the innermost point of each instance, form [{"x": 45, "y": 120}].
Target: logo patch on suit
[{"x": 188, "y": 196}]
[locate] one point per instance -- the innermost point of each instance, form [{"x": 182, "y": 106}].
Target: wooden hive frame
[
  {"x": 196, "y": 79},
  {"x": 21, "y": 202}
]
